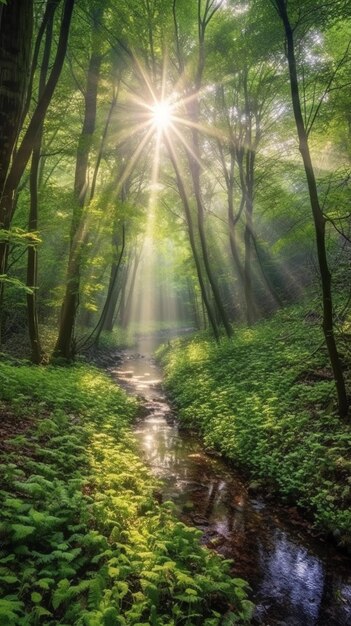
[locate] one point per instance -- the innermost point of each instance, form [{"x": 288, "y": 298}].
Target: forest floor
[
  {"x": 266, "y": 401},
  {"x": 84, "y": 540}
]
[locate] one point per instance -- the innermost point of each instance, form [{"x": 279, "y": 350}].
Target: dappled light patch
[
  {"x": 84, "y": 540},
  {"x": 255, "y": 403}
]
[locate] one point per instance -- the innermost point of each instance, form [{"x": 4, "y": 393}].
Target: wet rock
[
  {"x": 188, "y": 506},
  {"x": 212, "y": 452},
  {"x": 254, "y": 486},
  {"x": 217, "y": 541},
  {"x": 198, "y": 520}
]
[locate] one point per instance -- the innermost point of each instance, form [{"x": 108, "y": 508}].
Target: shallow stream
[{"x": 296, "y": 580}]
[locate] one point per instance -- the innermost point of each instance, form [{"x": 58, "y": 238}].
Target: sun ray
[
  {"x": 186, "y": 145},
  {"x": 134, "y": 158}
]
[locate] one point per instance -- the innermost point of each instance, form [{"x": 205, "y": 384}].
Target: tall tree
[
  {"x": 32, "y": 263},
  {"x": 317, "y": 212},
  {"x": 24, "y": 151},
  {"x": 65, "y": 342},
  {"x": 15, "y": 45}
]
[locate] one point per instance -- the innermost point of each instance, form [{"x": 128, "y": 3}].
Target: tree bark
[
  {"x": 25, "y": 149},
  {"x": 318, "y": 217},
  {"x": 111, "y": 288},
  {"x": 184, "y": 198},
  {"x": 15, "y": 44},
  {"x": 248, "y": 289},
  {"x": 125, "y": 314},
  {"x": 194, "y": 157},
  {"x": 194, "y": 165},
  {"x": 32, "y": 262},
  {"x": 65, "y": 347}
]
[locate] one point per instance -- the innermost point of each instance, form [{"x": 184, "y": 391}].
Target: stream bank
[{"x": 295, "y": 580}]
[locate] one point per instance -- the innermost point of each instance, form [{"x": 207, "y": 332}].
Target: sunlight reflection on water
[{"x": 294, "y": 582}]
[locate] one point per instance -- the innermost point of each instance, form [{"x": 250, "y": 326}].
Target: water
[{"x": 296, "y": 580}]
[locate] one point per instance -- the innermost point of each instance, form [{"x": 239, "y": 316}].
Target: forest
[{"x": 175, "y": 312}]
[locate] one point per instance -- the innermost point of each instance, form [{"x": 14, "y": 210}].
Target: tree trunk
[
  {"x": 65, "y": 347},
  {"x": 50, "y": 9},
  {"x": 318, "y": 217},
  {"x": 232, "y": 222},
  {"x": 33, "y": 326},
  {"x": 25, "y": 149},
  {"x": 111, "y": 287},
  {"x": 125, "y": 315},
  {"x": 184, "y": 198},
  {"x": 194, "y": 166},
  {"x": 249, "y": 298},
  {"x": 15, "y": 44}
]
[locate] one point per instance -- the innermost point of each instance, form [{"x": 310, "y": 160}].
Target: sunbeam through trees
[{"x": 172, "y": 172}]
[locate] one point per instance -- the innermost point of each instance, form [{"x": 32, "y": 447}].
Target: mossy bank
[
  {"x": 266, "y": 400},
  {"x": 83, "y": 540}
]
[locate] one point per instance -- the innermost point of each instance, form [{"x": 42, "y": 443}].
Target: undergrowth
[
  {"x": 266, "y": 400},
  {"x": 83, "y": 540}
]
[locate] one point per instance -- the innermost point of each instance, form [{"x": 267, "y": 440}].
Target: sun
[{"x": 161, "y": 115}]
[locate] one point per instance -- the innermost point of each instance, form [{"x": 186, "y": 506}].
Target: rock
[
  {"x": 255, "y": 485},
  {"x": 199, "y": 520}
]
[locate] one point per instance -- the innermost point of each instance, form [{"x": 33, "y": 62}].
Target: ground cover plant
[
  {"x": 265, "y": 399},
  {"x": 83, "y": 539}
]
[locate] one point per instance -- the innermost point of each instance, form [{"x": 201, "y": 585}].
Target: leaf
[
  {"x": 36, "y": 597},
  {"x": 110, "y": 616},
  {"x": 61, "y": 594},
  {"x": 44, "y": 583},
  {"x": 21, "y": 531},
  {"x": 15, "y": 282},
  {"x": 10, "y": 580}
]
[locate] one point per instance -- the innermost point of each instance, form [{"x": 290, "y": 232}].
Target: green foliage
[
  {"x": 266, "y": 400},
  {"x": 83, "y": 540},
  {"x": 15, "y": 282}
]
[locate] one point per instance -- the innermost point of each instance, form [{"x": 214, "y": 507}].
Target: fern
[
  {"x": 95, "y": 592},
  {"x": 21, "y": 531},
  {"x": 62, "y": 594}
]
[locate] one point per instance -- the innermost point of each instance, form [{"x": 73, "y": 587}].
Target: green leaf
[
  {"x": 36, "y": 597},
  {"x": 110, "y": 616},
  {"x": 20, "y": 531}
]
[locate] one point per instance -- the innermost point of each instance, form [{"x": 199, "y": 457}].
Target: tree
[
  {"x": 317, "y": 212},
  {"x": 65, "y": 342},
  {"x": 24, "y": 151}
]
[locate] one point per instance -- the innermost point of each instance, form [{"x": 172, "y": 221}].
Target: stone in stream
[{"x": 199, "y": 520}]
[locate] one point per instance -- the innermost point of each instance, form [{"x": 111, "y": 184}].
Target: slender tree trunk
[
  {"x": 50, "y": 9},
  {"x": 65, "y": 342},
  {"x": 249, "y": 298},
  {"x": 204, "y": 313},
  {"x": 127, "y": 309},
  {"x": 15, "y": 44},
  {"x": 232, "y": 222},
  {"x": 24, "y": 151},
  {"x": 194, "y": 166},
  {"x": 269, "y": 283},
  {"x": 103, "y": 141},
  {"x": 33, "y": 326},
  {"x": 111, "y": 288},
  {"x": 121, "y": 299},
  {"x": 184, "y": 198},
  {"x": 318, "y": 217},
  {"x": 193, "y": 304}
]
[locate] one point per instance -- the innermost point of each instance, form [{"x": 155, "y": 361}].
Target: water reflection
[{"x": 295, "y": 582}]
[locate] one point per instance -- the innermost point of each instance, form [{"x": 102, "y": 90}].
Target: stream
[{"x": 296, "y": 579}]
